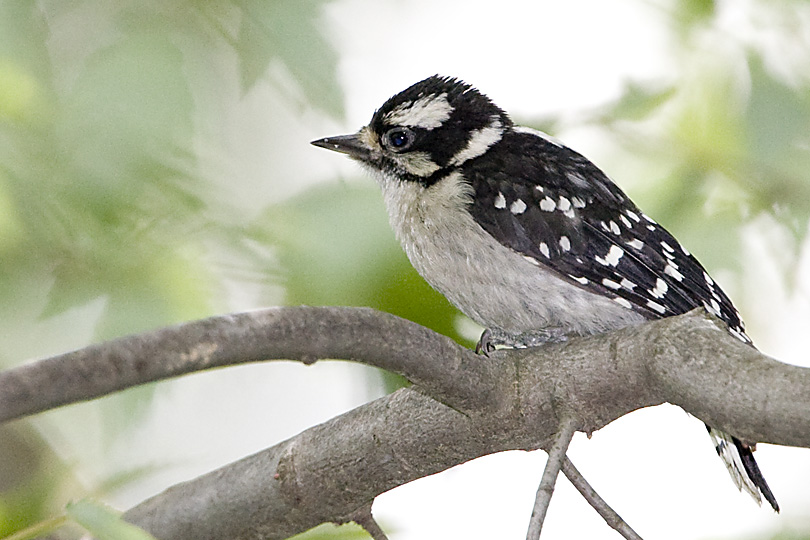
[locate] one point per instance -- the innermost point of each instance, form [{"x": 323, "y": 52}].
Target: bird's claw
[{"x": 484, "y": 345}]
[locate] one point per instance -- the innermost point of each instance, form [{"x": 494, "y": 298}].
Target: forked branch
[
  {"x": 462, "y": 406},
  {"x": 556, "y": 458},
  {"x": 610, "y": 516}
]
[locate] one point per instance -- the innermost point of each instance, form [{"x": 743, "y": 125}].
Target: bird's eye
[{"x": 398, "y": 139}]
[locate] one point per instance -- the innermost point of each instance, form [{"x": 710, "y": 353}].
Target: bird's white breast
[{"x": 492, "y": 284}]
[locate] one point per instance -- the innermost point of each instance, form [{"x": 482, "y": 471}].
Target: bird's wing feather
[{"x": 551, "y": 204}]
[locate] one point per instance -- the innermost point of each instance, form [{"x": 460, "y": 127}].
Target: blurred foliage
[
  {"x": 103, "y": 522},
  {"x": 98, "y": 172},
  {"x": 334, "y": 247},
  {"x": 725, "y": 141},
  {"x": 29, "y": 470},
  {"x": 266, "y": 34},
  {"x": 102, "y": 194},
  {"x": 114, "y": 115},
  {"x": 328, "y": 531}
]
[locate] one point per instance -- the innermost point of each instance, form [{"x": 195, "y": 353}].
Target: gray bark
[{"x": 462, "y": 406}]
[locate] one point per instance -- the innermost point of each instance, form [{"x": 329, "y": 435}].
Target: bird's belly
[
  {"x": 492, "y": 284},
  {"x": 502, "y": 290}
]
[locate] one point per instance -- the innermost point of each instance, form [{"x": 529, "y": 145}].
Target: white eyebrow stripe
[
  {"x": 480, "y": 141},
  {"x": 428, "y": 112}
]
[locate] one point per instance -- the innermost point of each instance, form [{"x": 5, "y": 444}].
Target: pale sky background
[{"x": 656, "y": 467}]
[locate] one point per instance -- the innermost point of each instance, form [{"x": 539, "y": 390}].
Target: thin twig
[
  {"x": 610, "y": 516},
  {"x": 365, "y": 519},
  {"x": 556, "y": 457}
]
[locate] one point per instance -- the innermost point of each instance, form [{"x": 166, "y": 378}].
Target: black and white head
[{"x": 417, "y": 135}]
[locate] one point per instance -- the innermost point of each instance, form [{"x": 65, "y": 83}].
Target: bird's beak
[{"x": 351, "y": 145}]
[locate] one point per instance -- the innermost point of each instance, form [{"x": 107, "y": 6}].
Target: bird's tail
[{"x": 739, "y": 460}]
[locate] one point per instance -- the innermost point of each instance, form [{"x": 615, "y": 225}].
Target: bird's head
[{"x": 436, "y": 124}]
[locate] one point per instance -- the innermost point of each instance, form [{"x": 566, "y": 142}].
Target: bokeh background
[{"x": 155, "y": 167}]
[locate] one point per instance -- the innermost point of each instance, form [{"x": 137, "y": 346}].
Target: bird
[{"x": 526, "y": 236}]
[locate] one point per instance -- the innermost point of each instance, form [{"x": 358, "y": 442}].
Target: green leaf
[
  {"x": 130, "y": 112},
  {"x": 639, "y": 101},
  {"x": 23, "y": 38},
  {"x": 330, "y": 531},
  {"x": 778, "y": 135},
  {"x": 692, "y": 12},
  {"x": 291, "y": 32},
  {"x": 103, "y": 522},
  {"x": 39, "y": 529}
]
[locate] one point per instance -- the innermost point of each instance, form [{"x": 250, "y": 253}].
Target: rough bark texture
[
  {"x": 292, "y": 333},
  {"x": 461, "y": 407}
]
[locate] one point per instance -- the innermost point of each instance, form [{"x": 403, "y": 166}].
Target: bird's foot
[
  {"x": 492, "y": 338},
  {"x": 484, "y": 345}
]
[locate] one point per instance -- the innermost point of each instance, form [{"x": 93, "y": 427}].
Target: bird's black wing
[
  {"x": 553, "y": 206},
  {"x": 559, "y": 210}
]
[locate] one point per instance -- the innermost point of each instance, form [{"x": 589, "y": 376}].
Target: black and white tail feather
[
  {"x": 526, "y": 236},
  {"x": 739, "y": 460}
]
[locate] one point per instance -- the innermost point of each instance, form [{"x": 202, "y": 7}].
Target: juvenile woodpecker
[{"x": 526, "y": 236}]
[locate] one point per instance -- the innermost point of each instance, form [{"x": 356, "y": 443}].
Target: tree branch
[
  {"x": 610, "y": 516},
  {"x": 556, "y": 458},
  {"x": 323, "y": 474},
  {"x": 364, "y": 518},
  {"x": 513, "y": 400},
  {"x": 301, "y": 333}
]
